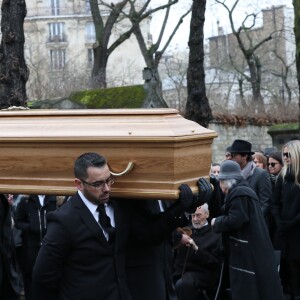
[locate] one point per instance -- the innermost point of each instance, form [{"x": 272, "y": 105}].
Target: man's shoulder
[{"x": 260, "y": 172}]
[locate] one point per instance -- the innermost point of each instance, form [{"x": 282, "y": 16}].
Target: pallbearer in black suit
[
  {"x": 77, "y": 259},
  {"x": 83, "y": 252}
]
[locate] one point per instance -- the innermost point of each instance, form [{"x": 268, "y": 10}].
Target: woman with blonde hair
[{"x": 287, "y": 215}]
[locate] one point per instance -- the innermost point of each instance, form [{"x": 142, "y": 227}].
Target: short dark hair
[
  {"x": 277, "y": 156},
  {"x": 86, "y": 160}
]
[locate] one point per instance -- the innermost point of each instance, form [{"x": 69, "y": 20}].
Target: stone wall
[{"x": 256, "y": 135}]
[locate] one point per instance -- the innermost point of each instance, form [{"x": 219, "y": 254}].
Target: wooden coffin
[{"x": 151, "y": 151}]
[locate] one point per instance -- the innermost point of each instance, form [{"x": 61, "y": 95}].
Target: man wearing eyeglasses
[{"x": 83, "y": 252}]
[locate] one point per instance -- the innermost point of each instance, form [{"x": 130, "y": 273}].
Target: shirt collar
[{"x": 91, "y": 206}]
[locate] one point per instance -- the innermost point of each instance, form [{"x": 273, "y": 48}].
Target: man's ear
[{"x": 78, "y": 184}]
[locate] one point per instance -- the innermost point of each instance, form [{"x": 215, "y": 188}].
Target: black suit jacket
[
  {"x": 149, "y": 254},
  {"x": 76, "y": 262}
]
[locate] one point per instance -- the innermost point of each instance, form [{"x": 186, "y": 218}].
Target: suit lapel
[{"x": 89, "y": 220}]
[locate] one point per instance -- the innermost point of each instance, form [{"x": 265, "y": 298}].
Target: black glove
[
  {"x": 185, "y": 201},
  {"x": 213, "y": 180},
  {"x": 186, "y": 196},
  {"x": 205, "y": 190}
]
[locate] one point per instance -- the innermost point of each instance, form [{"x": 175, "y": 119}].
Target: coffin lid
[{"x": 97, "y": 125}]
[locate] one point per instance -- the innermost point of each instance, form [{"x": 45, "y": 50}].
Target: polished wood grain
[{"x": 38, "y": 149}]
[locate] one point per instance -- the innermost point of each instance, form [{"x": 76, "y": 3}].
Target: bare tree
[
  {"x": 248, "y": 47},
  {"x": 175, "y": 69},
  {"x": 43, "y": 84},
  {"x": 106, "y": 18},
  {"x": 152, "y": 55},
  {"x": 296, "y": 4},
  {"x": 197, "y": 106},
  {"x": 283, "y": 75},
  {"x": 13, "y": 69}
]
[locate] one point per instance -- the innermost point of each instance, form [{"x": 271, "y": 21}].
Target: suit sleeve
[
  {"x": 264, "y": 192},
  {"x": 276, "y": 203},
  {"x": 49, "y": 263},
  {"x": 151, "y": 228}
]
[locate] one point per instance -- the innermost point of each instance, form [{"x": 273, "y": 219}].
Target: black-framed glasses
[
  {"x": 273, "y": 164},
  {"x": 100, "y": 184},
  {"x": 286, "y": 154}
]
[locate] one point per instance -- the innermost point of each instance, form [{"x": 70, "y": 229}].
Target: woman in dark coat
[
  {"x": 287, "y": 214},
  {"x": 252, "y": 264},
  {"x": 275, "y": 165}
]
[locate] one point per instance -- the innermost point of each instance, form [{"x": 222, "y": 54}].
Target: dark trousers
[
  {"x": 6, "y": 290},
  {"x": 188, "y": 288}
]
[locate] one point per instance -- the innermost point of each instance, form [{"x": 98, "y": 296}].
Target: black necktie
[{"x": 104, "y": 221}]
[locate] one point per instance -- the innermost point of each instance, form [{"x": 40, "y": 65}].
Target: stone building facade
[
  {"x": 226, "y": 62},
  {"x": 60, "y": 36},
  {"x": 257, "y": 135}
]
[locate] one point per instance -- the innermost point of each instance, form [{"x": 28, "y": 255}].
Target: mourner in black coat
[
  {"x": 252, "y": 264},
  {"x": 287, "y": 216},
  {"x": 9, "y": 275},
  {"x": 196, "y": 269},
  {"x": 258, "y": 179},
  {"x": 30, "y": 218}
]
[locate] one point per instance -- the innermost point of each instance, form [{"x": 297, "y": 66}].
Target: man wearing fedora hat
[{"x": 258, "y": 179}]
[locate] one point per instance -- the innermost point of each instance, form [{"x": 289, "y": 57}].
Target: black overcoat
[
  {"x": 252, "y": 265},
  {"x": 205, "y": 263},
  {"x": 286, "y": 208},
  {"x": 30, "y": 218}
]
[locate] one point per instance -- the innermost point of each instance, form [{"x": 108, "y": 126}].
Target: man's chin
[
  {"x": 197, "y": 226},
  {"x": 104, "y": 200}
]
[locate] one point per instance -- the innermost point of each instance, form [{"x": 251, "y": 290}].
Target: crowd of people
[{"x": 237, "y": 238}]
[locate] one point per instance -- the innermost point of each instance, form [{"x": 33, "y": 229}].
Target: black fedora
[{"x": 240, "y": 146}]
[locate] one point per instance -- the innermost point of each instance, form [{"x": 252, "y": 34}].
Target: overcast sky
[{"x": 214, "y": 12}]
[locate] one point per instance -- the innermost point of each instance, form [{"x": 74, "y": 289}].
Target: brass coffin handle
[{"x": 126, "y": 171}]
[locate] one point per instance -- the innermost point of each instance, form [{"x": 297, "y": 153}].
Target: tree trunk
[
  {"x": 13, "y": 70},
  {"x": 241, "y": 90},
  {"x": 255, "y": 77},
  {"x": 153, "y": 84},
  {"x": 296, "y": 4},
  {"x": 98, "y": 79},
  {"x": 197, "y": 106}
]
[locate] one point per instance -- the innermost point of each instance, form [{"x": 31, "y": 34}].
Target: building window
[
  {"x": 90, "y": 35},
  {"x": 55, "y": 7},
  {"x": 90, "y": 57},
  {"x": 56, "y": 32},
  {"x": 87, "y": 7},
  {"x": 57, "y": 59}
]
